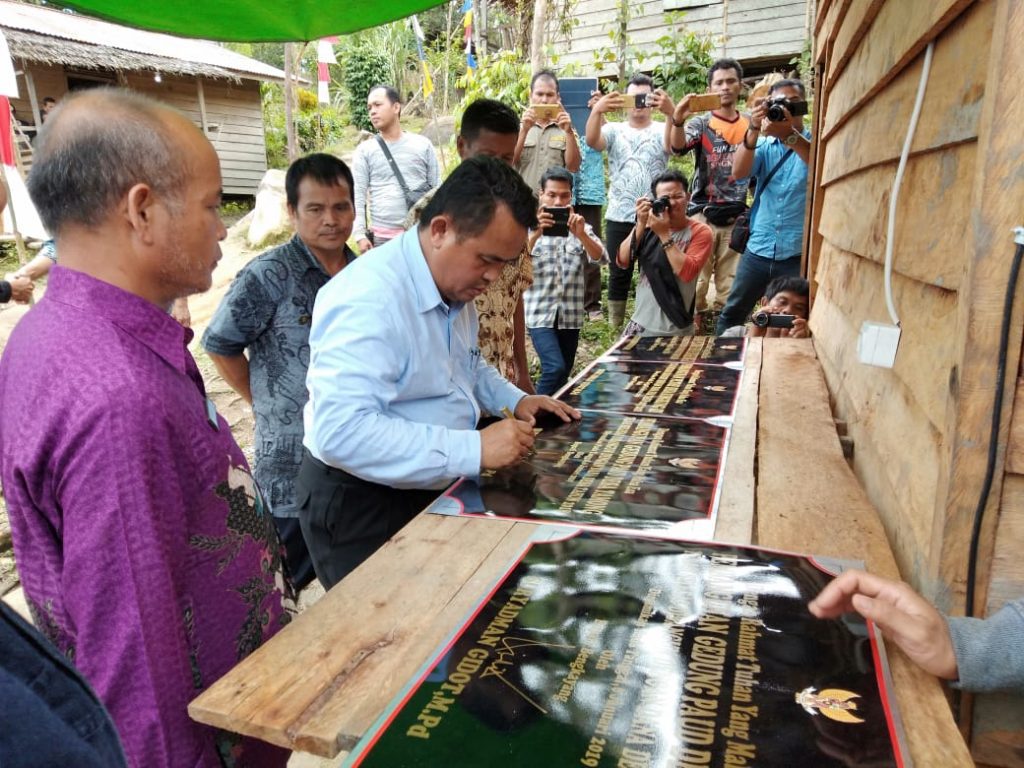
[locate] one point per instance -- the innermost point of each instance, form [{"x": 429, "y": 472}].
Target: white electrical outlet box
[{"x": 877, "y": 344}]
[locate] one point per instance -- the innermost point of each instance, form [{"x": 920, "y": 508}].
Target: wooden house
[
  {"x": 923, "y": 429},
  {"x": 761, "y": 34},
  {"x": 56, "y": 52}
]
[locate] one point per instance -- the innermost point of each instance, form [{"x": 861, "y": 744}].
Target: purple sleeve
[{"x": 120, "y": 502}]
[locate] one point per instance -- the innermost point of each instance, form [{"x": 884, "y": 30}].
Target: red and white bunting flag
[{"x": 324, "y": 56}]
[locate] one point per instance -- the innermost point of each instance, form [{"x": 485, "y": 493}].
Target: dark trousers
[
  {"x": 345, "y": 519},
  {"x": 297, "y": 561},
  {"x": 556, "y": 348},
  {"x": 752, "y": 278},
  {"x": 619, "y": 280},
  {"x": 591, "y": 271}
]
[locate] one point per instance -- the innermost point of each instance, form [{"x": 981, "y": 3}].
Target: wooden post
[
  {"x": 201, "y": 96},
  {"x": 289, "y": 101},
  {"x": 19, "y": 241},
  {"x": 33, "y": 99},
  {"x": 540, "y": 20}
]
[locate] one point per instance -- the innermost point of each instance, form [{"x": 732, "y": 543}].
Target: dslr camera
[
  {"x": 779, "y": 105},
  {"x": 660, "y": 204}
]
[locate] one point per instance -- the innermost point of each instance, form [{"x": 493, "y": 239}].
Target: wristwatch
[{"x": 792, "y": 139}]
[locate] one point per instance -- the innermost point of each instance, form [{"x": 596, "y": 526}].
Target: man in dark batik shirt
[{"x": 267, "y": 311}]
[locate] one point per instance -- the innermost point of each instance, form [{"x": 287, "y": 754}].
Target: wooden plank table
[{"x": 322, "y": 682}]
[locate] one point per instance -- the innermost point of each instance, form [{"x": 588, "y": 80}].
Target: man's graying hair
[{"x": 83, "y": 169}]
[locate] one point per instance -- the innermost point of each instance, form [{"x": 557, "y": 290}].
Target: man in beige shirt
[{"x": 545, "y": 142}]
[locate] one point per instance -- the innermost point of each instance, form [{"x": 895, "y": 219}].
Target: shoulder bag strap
[
  {"x": 761, "y": 185},
  {"x": 394, "y": 165}
]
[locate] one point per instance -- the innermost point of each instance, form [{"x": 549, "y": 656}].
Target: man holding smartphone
[
  {"x": 546, "y": 137},
  {"x": 636, "y": 155},
  {"x": 718, "y": 196},
  {"x": 560, "y": 245}
]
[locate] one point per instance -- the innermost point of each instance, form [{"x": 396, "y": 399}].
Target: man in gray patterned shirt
[{"x": 267, "y": 312}]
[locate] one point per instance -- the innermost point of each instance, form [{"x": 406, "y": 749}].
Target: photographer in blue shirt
[{"x": 775, "y": 151}]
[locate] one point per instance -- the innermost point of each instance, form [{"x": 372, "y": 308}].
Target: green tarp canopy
[{"x": 251, "y": 20}]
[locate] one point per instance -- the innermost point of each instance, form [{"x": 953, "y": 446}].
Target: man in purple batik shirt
[{"x": 142, "y": 543}]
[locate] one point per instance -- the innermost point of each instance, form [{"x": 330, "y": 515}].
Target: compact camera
[
  {"x": 772, "y": 320},
  {"x": 778, "y": 106},
  {"x": 660, "y": 204}
]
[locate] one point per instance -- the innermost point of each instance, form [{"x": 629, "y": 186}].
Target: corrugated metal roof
[{"x": 82, "y": 30}]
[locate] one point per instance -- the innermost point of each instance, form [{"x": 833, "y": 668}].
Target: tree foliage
[
  {"x": 363, "y": 66},
  {"x": 686, "y": 58},
  {"x": 504, "y": 76}
]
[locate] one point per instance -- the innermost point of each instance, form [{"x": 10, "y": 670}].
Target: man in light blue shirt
[
  {"x": 396, "y": 380},
  {"x": 777, "y": 227}
]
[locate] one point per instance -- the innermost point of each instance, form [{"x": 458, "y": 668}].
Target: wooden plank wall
[
  {"x": 235, "y": 116},
  {"x": 922, "y": 428},
  {"x": 757, "y": 29},
  {"x": 233, "y": 111},
  {"x": 49, "y": 81}
]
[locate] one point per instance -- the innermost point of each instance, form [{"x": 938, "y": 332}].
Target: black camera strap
[
  {"x": 394, "y": 165},
  {"x": 761, "y": 185}
]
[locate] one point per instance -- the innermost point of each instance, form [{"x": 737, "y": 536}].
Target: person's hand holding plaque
[
  {"x": 529, "y": 407},
  {"x": 904, "y": 617}
]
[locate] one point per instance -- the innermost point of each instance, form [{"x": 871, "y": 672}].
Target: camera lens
[{"x": 760, "y": 319}]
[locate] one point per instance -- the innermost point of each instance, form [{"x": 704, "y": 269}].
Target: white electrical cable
[{"x": 894, "y": 198}]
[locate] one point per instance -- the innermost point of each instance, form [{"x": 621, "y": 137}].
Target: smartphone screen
[{"x": 561, "y": 226}]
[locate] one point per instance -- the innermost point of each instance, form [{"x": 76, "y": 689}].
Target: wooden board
[
  {"x": 318, "y": 685},
  {"x": 897, "y": 35},
  {"x": 874, "y": 133},
  {"x": 736, "y": 505},
  {"x": 894, "y": 415},
  {"x": 848, "y": 35},
  {"x": 1015, "y": 444},
  {"x": 808, "y": 499},
  {"x": 855, "y": 214}
]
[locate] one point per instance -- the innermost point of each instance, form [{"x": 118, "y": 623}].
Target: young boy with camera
[
  {"x": 783, "y": 313},
  {"x": 554, "y": 302},
  {"x": 671, "y": 250}
]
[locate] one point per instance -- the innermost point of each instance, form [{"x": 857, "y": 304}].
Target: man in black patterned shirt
[{"x": 267, "y": 312}]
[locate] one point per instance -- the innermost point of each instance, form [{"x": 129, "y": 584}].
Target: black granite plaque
[
  {"x": 607, "y": 469},
  {"x": 608, "y": 651}
]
